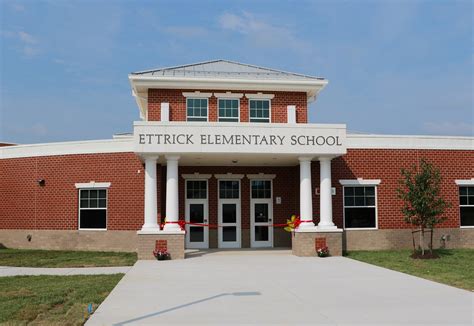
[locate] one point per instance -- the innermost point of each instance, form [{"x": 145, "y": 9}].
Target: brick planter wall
[
  {"x": 148, "y": 242},
  {"x": 304, "y": 243}
]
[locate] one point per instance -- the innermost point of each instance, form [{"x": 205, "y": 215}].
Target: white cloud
[
  {"x": 28, "y": 44},
  {"x": 262, "y": 32},
  {"x": 449, "y": 128}
]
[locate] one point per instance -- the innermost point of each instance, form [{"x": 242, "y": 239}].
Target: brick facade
[{"x": 177, "y": 104}]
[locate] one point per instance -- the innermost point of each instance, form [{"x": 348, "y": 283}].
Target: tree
[{"x": 423, "y": 206}]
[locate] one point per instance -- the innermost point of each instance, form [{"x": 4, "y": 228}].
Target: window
[
  {"x": 93, "y": 208},
  {"x": 196, "y": 189},
  {"x": 259, "y": 110},
  {"x": 261, "y": 189},
  {"x": 229, "y": 189},
  {"x": 360, "y": 210},
  {"x": 228, "y": 110},
  {"x": 466, "y": 205},
  {"x": 196, "y": 109}
]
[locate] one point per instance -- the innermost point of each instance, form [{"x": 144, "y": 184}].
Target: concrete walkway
[
  {"x": 278, "y": 288},
  {"x": 14, "y": 271}
]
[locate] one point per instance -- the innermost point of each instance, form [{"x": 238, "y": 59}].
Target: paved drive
[
  {"x": 274, "y": 287},
  {"x": 13, "y": 271}
]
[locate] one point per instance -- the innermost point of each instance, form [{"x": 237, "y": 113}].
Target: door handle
[
  {"x": 205, "y": 220},
  {"x": 269, "y": 219}
]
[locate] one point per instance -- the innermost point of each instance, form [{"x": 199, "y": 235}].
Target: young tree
[{"x": 423, "y": 206}]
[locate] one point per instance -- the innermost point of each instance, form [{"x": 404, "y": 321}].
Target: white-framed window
[
  {"x": 93, "y": 208},
  {"x": 360, "y": 207},
  {"x": 259, "y": 110},
  {"x": 466, "y": 205},
  {"x": 197, "y": 109},
  {"x": 228, "y": 109},
  {"x": 196, "y": 189},
  {"x": 261, "y": 189}
]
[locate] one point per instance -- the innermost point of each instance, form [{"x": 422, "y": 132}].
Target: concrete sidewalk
[
  {"x": 14, "y": 271},
  {"x": 278, "y": 288}
]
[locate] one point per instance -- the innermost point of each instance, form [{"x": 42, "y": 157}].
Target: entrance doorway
[
  {"x": 196, "y": 211},
  {"x": 229, "y": 218},
  {"x": 261, "y": 213}
]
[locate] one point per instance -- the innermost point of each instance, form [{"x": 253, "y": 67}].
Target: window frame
[
  {"x": 79, "y": 208},
  {"x": 207, "y": 109},
  {"x": 376, "y": 206},
  {"x": 459, "y": 197},
  {"x": 238, "y": 108},
  {"x": 196, "y": 179},
  {"x": 269, "y": 110}
]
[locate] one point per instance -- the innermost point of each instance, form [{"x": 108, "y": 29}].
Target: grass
[
  {"x": 61, "y": 258},
  {"x": 455, "y": 267},
  {"x": 46, "y": 300}
]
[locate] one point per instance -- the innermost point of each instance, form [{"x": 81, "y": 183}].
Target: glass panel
[
  {"x": 261, "y": 213},
  {"x": 359, "y": 217},
  {"x": 93, "y": 193},
  {"x": 349, "y": 201},
  {"x": 93, "y": 203},
  {"x": 229, "y": 213},
  {"x": 196, "y": 234},
  {"x": 229, "y": 233},
  {"x": 196, "y": 213},
  {"x": 359, "y": 201},
  {"x": 463, "y": 200},
  {"x": 463, "y": 191},
  {"x": 196, "y": 189},
  {"x": 348, "y": 191},
  {"x": 92, "y": 219},
  {"x": 470, "y": 200},
  {"x": 470, "y": 191},
  {"x": 359, "y": 191},
  {"x": 84, "y": 194},
  {"x": 369, "y": 191},
  {"x": 370, "y": 201},
  {"x": 102, "y": 203},
  {"x": 102, "y": 194},
  {"x": 467, "y": 216},
  {"x": 261, "y": 233},
  {"x": 229, "y": 189},
  {"x": 84, "y": 203}
]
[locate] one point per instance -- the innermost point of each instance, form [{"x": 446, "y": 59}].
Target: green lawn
[
  {"x": 60, "y": 258},
  {"x": 46, "y": 300},
  {"x": 455, "y": 267}
]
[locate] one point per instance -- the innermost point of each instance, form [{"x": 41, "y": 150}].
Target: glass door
[
  {"x": 261, "y": 214},
  {"x": 196, "y": 212},
  {"x": 229, "y": 232}
]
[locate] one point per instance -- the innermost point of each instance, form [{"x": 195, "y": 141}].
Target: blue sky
[{"x": 395, "y": 67}]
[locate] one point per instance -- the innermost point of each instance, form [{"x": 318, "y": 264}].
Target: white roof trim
[
  {"x": 197, "y": 94},
  {"x": 228, "y": 95},
  {"x": 93, "y": 184},
  {"x": 229, "y": 176},
  {"x": 119, "y": 145},
  {"x": 259, "y": 96},
  {"x": 356, "y": 141},
  {"x": 360, "y": 182},
  {"x": 261, "y": 176},
  {"x": 467, "y": 182},
  {"x": 196, "y": 175}
]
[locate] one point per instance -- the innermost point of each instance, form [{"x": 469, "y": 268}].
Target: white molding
[
  {"x": 356, "y": 141},
  {"x": 229, "y": 95},
  {"x": 118, "y": 145},
  {"x": 196, "y": 175},
  {"x": 229, "y": 176},
  {"x": 261, "y": 176},
  {"x": 259, "y": 96},
  {"x": 466, "y": 182},
  {"x": 197, "y": 94},
  {"x": 360, "y": 182},
  {"x": 93, "y": 184}
]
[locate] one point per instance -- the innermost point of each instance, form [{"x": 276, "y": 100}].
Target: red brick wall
[
  {"x": 26, "y": 205},
  {"x": 178, "y": 105},
  {"x": 385, "y": 164}
]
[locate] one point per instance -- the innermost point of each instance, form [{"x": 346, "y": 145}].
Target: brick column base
[
  {"x": 148, "y": 242},
  {"x": 303, "y": 244}
]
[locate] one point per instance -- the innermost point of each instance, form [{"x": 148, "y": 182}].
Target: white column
[
  {"x": 172, "y": 197},
  {"x": 151, "y": 200},
  {"x": 306, "y": 194},
  {"x": 325, "y": 195}
]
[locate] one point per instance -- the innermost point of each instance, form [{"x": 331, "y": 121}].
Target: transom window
[
  {"x": 196, "y": 109},
  {"x": 466, "y": 205},
  {"x": 360, "y": 207},
  {"x": 261, "y": 189},
  {"x": 259, "y": 110},
  {"x": 228, "y": 110},
  {"x": 229, "y": 189},
  {"x": 196, "y": 189},
  {"x": 93, "y": 208}
]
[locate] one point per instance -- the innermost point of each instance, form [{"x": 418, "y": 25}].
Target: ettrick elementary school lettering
[{"x": 222, "y": 156}]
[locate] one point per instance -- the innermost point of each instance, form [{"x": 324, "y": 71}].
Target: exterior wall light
[{"x": 41, "y": 182}]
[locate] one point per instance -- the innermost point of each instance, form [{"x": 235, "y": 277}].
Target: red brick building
[{"x": 226, "y": 147}]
